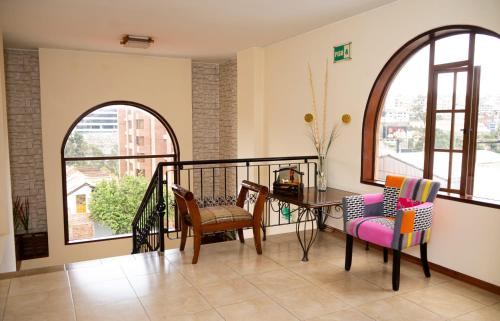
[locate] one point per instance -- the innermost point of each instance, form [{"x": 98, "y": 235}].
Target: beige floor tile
[
  {"x": 187, "y": 301},
  {"x": 128, "y": 310},
  {"x": 209, "y": 315},
  {"x": 485, "y": 314},
  {"x": 229, "y": 292},
  {"x": 416, "y": 271},
  {"x": 309, "y": 302},
  {"x": 472, "y": 292},
  {"x": 442, "y": 301},
  {"x": 94, "y": 274},
  {"x": 291, "y": 256},
  {"x": 318, "y": 272},
  {"x": 202, "y": 273},
  {"x": 84, "y": 264},
  {"x": 407, "y": 283},
  {"x": 356, "y": 291},
  {"x": 39, "y": 283},
  {"x": 147, "y": 265},
  {"x": 253, "y": 264},
  {"x": 40, "y": 306},
  {"x": 159, "y": 284},
  {"x": 105, "y": 292},
  {"x": 397, "y": 309},
  {"x": 343, "y": 315},
  {"x": 4, "y": 287},
  {"x": 258, "y": 309},
  {"x": 67, "y": 314},
  {"x": 277, "y": 281}
]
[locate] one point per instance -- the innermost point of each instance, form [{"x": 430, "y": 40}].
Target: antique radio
[{"x": 288, "y": 181}]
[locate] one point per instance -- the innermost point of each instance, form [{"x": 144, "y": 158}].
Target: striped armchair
[{"x": 398, "y": 218}]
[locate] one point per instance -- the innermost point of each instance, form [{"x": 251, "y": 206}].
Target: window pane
[
  {"x": 458, "y": 131},
  {"x": 456, "y": 171},
  {"x": 461, "y": 90},
  {"x": 443, "y": 131},
  {"x": 118, "y": 130},
  {"x": 451, "y": 49},
  {"x": 487, "y": 168},
  {"x": 444, "y": 91},
  {"x": 102, "y": 198},
  {"x": 440, "y": 168},
  {"x": 401, "y": 132}
]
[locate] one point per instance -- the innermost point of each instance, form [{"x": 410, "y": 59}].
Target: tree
[
  {"x": 114, "y": 203},
  {"x": 77, "y": 146}
]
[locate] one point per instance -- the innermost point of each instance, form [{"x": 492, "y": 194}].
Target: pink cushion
[{"x": 374, "y": 229}]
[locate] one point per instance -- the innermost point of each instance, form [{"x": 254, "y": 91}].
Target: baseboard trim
[
  {"x": 433, "y": 266},
  {"x": 17, "y": 274}
]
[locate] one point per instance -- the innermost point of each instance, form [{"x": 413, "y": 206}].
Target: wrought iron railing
[{"x": 213, "y": 182}]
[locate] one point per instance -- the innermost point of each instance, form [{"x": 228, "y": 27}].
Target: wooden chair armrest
[{"x": 186, "y": 204}]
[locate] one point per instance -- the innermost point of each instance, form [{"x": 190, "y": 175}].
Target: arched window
[
  {"x": 434, "y": 112},
  {"x": 108, "y": 157}
]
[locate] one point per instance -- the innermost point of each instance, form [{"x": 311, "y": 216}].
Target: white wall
[
  {"x": 74, "y": 81},
  {"x": 7, "y": 247},
  {"x": 465, "y": 237}
]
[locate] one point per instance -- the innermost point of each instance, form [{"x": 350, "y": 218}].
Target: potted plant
[{"x": 28, "y": 245}]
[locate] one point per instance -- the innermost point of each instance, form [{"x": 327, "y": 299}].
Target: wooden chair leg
[
  {"x": 196, "y": 245},
  {"x": 348, "y": 251},
  {"x": 386, "y": 255},
  {"x": 240, "y": 235},
  {"x": 184, "y": 233},
  {"x": 423, "y": 259},
  {"x": 396, "y": 260},
  {"x": 256, "y": 238}
]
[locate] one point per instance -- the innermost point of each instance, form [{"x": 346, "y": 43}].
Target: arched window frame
[
  {"x": 175, "y": 156},
  {"x": 380, "y": 88}
]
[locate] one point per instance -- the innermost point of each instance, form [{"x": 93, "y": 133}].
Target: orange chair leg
[
  {"x": 184, "y": 232},
  {"x": 256, "y": 238},
  {"x": 197, "y": 245}
]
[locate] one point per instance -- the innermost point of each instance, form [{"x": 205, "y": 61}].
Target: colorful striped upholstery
[{"x": 398, "y": 218}]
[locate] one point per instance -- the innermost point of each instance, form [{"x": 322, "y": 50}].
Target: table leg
[
  {"x": 306, "y": 236},
  {"x": 321, "y": 216}
]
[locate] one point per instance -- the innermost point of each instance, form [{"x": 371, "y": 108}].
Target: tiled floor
[{"x": 231, "y": 282}]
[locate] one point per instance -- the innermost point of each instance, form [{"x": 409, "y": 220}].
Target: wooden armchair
[{"x": 220, "y": 218}]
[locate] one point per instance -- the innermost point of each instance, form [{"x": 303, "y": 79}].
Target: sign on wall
[{"x": 342, "y": 52}]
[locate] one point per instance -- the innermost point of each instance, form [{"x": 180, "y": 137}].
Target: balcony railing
[{"x": 213, "y": 182}]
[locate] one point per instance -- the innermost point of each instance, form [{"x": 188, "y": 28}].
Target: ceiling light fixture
[{"x": 142, "y": 42}]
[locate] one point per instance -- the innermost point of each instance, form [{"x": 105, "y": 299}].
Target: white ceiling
[{"x": 199, "y": 29}]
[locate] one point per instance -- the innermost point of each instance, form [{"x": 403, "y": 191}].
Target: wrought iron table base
[{"x": 307, "y": 217}]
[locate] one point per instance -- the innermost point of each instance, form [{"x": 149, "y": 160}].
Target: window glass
[
  {"x": 401, "y": 132},
  {"x": 103, "y": 195},
  {"x": 487, "y": 165},
  {"x": 452, "y": 49}
]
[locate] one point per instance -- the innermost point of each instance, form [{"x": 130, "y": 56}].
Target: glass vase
[{"x": 322, "y": 173}]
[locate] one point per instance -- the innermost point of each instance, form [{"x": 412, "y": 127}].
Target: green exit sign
[{"x": 342, "y": 52}]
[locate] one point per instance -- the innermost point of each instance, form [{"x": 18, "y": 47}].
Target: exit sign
[{"x": 342, "y": 52}]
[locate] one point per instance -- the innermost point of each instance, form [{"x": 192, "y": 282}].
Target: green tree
[
  {"x": 77, "y": 146},
  {"x": 114, "y": 203}
]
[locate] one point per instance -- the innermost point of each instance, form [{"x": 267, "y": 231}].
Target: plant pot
[{"x": 32, "y": 245}]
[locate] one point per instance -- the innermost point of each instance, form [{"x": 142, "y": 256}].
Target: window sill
[
  {"x": 100, "y": 239},
  {"x": 450, "y": 196}
]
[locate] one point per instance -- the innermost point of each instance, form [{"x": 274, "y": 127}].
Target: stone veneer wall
[
  {"x": 22, "y": 79},
  {"x": 228, "y": 120},
  {"x": 214, "y": 122}
]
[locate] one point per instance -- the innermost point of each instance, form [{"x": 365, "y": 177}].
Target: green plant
[
  {"x": 114, "y": 203},
  {"x": 21, "y": 209}
]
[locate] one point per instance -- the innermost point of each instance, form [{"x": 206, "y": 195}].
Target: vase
[{"x": 322, "y": 174}]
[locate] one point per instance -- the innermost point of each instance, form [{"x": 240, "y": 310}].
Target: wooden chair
[{"x": 220, "y": 218}]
